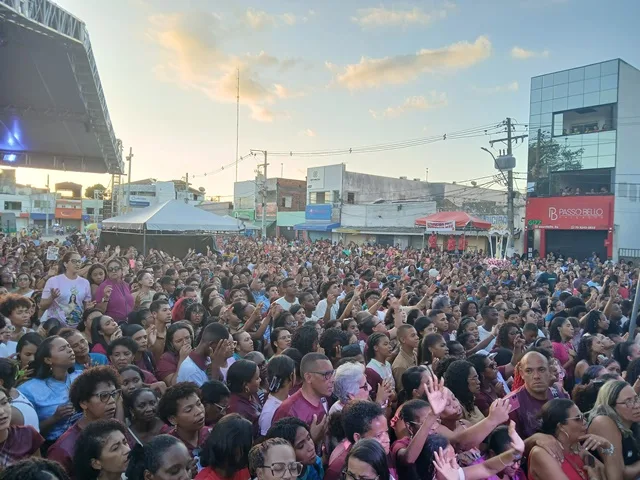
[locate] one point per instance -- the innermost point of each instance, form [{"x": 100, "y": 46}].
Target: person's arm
[
  {"x": 466, "y": 438},
  {"x": 349, "y": 307},
  {"x": 613, "y": 464},
  {"x": 331, "y": 300},
  {"x": 484, "y": 343},
  {"x": 373, "y": 309},
  {"x": 172, "y": 378},
  {"x": 258, "y": 334},
  {"x": 543, "y": 465},
  {"x": 48, "y": 295},
  {"x": 613, "y": 293},
  {"x": 437, "y": 400}
]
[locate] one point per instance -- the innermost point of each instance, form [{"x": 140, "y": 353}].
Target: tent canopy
[
  {"x": 172, "y": 216},
  {"x": 461, "y": 219}
]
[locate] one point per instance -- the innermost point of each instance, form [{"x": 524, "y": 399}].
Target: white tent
[{"x": 171, "y": 216}]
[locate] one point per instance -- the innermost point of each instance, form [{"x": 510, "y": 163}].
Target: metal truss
[{"x": 52, "y": 17}]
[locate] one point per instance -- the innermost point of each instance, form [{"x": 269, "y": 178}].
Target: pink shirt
[{"x": 298, "y": 406}]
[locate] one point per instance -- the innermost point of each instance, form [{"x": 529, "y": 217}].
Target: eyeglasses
[
  {"x": 222, "y": 408},
  {"x": 327, "y": 375},
  {"x": 630, "y": 402},
  {"x": 580, "y": 417},
  {"x": 352, "y": 476},
  {"x": 105, "y": 396},
  {"x": 278, "y": 469},
  {"x": 365, "y": 387},
  {"x": 114, "y": 269},
  {"x": 76, "y": 261}
]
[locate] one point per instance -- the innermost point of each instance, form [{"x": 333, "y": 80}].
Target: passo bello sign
[{"x": 570, "y": 213}]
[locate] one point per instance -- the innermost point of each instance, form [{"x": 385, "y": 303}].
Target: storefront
[
  {"x": 574, "y": 226},
  {"x": 69, "y": 213}
]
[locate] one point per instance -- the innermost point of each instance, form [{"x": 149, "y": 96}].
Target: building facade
[
  {"x": 282, "y": 195},
  {"x": 149, "y": 191},
  {"x": 582, "y": 186},
  {"x": 351, "y": 206}
]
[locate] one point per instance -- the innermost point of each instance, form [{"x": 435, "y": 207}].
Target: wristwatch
[{"x": 608, "y": 451}]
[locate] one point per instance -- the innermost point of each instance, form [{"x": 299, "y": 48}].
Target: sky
[{"x": 330, "y": 75}]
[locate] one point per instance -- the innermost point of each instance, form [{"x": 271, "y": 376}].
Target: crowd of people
[{"x": 314, "y": 360}]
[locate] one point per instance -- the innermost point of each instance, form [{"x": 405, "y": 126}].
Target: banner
[{"x": 570, "y": 213}]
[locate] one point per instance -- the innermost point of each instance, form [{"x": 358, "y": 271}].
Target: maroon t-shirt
[
  {"x": 193, "y": 449},
  {"x": 249, "y": 409},
  {"x": 298, "y": 406},
  {"x": 63, "y": 449},
  {"x": 21, "y": 443},
  {"x": 167, "y": 365},
  {"x": 527, "y": 412}
]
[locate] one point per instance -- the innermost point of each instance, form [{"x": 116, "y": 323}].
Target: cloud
[
  {"x": 308, "y": 133},
  {"x": 523, "y": 54},
  {"x": 192, "y": 57},
  {"x": 400, "y": 69},
  {"x": 419, "y": 102},
  {"x": 261, "y": 20},
  {"x": 508, "y": 87},
  {"x": 283, "y": 92},
  {"x": 377, "y": 17}
]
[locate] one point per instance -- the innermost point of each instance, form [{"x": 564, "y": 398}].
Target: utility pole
[
  {"x": 237, "y": 123},
  {"x": 129, "y": 159},
  {"x": 511, "y": 244},
  {"x": 509, "y": 156},
  {"x": 186, "y": 188},
  {"x": 46, "y": 215},
  {"x": 264, "y": 194}
]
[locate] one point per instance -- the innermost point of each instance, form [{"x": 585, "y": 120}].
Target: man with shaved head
[{"x": 527, "y": 401}]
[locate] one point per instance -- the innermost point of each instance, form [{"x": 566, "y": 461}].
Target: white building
[
  {"x": 149, "y": 191},
  {"x": 352, "y": 206}
]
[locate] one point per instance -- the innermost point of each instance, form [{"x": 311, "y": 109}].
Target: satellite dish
[
  {"x": 201, "y": 189},
  {"x": 474, "y": 183}
]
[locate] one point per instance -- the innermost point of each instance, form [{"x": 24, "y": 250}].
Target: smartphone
[
  {"x": 514, "y": 403},
  {"x": 589, "y": 461}
]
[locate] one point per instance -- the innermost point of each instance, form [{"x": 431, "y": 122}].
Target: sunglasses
[{"x": 114, "y": 269}]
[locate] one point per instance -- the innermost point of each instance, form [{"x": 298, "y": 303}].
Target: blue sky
[{"x": 330, "y": 74}]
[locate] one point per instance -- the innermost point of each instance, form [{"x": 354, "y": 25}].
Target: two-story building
[{"x": 583, "y": 166}]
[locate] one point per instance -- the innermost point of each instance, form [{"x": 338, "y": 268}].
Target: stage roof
[{"x": 53, "y": 112}]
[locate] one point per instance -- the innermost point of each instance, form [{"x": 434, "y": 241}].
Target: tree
[
  {"x": 548, "y": 155},
  {"x": 89, "y": 192}
]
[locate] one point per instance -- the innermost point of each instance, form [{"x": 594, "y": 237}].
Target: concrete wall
[
  {"x": 369, "y": 188},
  {"x": 244, "y": 194},
  {"x": 219, "y": 208},
  {"x": 385, "y": 215},
  {"x": 627, "y": 173},
  {"x": 291, "y": 195}
]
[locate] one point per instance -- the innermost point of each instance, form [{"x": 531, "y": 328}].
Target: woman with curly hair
[
  {"x": 590, "y": 351},
  {"x": 464, "y": 382}
]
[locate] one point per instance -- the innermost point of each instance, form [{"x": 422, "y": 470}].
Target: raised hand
[
  {"x": 447, "y": 468},
  {"x": 499, "y": 410},
  {"x": 436, "y": 394},
  {"x": 516, "y": 442}
]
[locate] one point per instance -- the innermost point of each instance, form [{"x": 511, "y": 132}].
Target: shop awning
[
  {"x": 461, "y": 219},
  {"x": 316, "y": 227}
]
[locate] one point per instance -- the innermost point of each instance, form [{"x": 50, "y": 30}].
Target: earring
[{"x": 565, "y": 433}]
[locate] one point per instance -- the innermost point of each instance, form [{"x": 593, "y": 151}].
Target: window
[
  {"x": 40, "y": 204},
  {"x": 13, "y": 205},
  {"x": 100, "y": 210},
  {"x": 90, "y": 210},
  {"x": 285, "y": 202},
  {"x": 351, "y": 198},
  {"x": 320, "y": 197}
]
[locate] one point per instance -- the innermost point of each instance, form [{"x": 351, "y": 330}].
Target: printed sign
[
  {"x": 52, "y": 253},
  {"x": 571, "y": 213}
]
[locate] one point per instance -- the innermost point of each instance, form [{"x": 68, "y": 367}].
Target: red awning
[{"x": 462, "y": 219}]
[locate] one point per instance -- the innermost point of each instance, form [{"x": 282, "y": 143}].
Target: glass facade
[{"x": 575, "y": 111}]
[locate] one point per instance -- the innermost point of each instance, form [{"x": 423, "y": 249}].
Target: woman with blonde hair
[{"x": 616, "y": 417}]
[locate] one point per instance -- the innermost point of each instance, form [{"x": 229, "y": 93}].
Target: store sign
[
  {"x": 68, "y": 214},
  {"x": 138, "y": 201},
  {"x": 571, "y": 213},
  {"x": 318, "y": 212}
]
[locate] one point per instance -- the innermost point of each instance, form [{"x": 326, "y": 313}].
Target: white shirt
[
  {"x": 25, "y": 407},
  {"x": 190, "y": 372},
  {"x": 482, "y": 334},
  {"x": 286, "y": 305},
  {"x": 321, "y": 309},
  {"x": 266, "y": 417}
]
